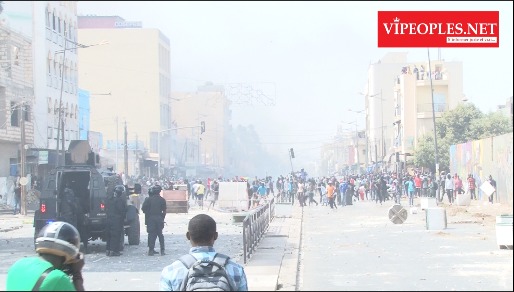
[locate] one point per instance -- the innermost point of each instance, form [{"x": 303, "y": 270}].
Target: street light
[
  {"x": 356, "y": 145},
  {"x": 365, "y": 112},
  {"x": 382, "y": 121},
  {"x": 60, "y": 122}
]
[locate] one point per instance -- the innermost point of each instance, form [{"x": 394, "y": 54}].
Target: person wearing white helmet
[{"x": 58, "y": 265}]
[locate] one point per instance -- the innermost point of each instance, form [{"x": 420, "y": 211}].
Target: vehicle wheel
[
  {"x": 122, "y": 240},
  {"x": 133, "y": 232}
]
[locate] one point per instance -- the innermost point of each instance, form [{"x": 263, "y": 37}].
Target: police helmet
[
  {"x": 59, "y": 238},
  {"x": 119, "y": 190}
]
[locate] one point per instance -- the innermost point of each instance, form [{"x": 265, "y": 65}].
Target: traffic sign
[{"x": 24, "y": 181}]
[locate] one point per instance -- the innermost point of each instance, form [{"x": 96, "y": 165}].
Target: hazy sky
[{"x": 311, "y": 58}]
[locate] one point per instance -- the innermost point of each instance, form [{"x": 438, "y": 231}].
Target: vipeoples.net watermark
[{"x": 438, "y": 29}]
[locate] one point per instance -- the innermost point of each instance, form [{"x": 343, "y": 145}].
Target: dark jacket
[
  {"x": 154, "y": 208},
  {"x": 116, "y": 207}
]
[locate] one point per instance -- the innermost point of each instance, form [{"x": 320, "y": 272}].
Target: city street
[
  {"x": 134, "y": 270},
  {"x": 357, "y": 248}
]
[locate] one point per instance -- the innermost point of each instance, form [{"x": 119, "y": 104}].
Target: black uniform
[
  {"x": 116, "y": 211},
  {"x": 154, "y": 208},
  {"x": 68, "y": 207}
]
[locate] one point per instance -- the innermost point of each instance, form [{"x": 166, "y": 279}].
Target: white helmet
[{"x": 59, "y": 238}]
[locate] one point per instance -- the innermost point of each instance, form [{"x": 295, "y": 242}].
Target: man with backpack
[{"x": 203, "y": 268}]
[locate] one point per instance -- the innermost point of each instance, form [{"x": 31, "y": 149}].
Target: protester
[
  {"x": 202, "y": 234},
  {"x": 58, "y": 260}
]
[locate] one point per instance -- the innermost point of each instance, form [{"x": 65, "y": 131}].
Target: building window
[
  {"x": 53, "y": 20},
  {"x": 16, "y": 55},
  {"x": 49, "y": 105},
  {"x": 61, "y": 64},
  {"x": 50, "y": 132},
  {"x": 15, "y": 120},
  {"x": 48, "y": 16},
  {"x": 48, "y": 64},
  {"x": 26, "y": 113},
  {"x": 56, "y": 107}
]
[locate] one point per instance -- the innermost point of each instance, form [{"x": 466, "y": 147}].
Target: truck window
[{"x": 51, "y": 184}]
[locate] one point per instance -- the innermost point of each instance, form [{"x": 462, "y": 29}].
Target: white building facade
[{"x": 52, "y": 27}]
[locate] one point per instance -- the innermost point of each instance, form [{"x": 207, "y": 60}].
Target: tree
[
  {"x": 1, "y": 6},
  {"x": 462, "y": 124}
]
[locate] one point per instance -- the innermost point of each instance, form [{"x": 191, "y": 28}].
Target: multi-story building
[
  {"x": 379, "y": 103},
  {"x": 16, "y": 101},
  {"x": 129, "y": 83},
  {"x": 506, "y": 108},
  {"x": 345, "y": 155},
  {"x": 84, "y": 114},
  {"x": 416, "y": 98},
  {"x": 195, "y": 153},
  {"x": 52, "y": 28},
  {"x": 399, "y": 104}
]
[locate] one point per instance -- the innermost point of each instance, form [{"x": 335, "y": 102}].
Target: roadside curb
[{"x": 289, "y": 268}]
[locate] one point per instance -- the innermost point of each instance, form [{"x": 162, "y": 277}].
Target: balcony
[
  {"x": 424, "y": 110},
  {"x": 438, "y": 78}
]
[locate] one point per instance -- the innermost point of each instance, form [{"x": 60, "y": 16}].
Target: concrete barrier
[
  {"x": 426, "y": 202},
  {"x": 504, "y": 231},
  {"x": 436, "y": 218}
]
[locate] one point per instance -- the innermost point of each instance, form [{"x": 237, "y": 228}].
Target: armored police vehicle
[{"x": 91, "y": 187}]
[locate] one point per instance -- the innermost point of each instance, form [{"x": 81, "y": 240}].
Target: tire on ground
[{"x": 133, "y": 232}]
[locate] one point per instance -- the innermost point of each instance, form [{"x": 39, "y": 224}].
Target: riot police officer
[
  {"x": 68, "y": 206},
  {"x": 154, "y": 208},
  {"x": 116, "y": 210}
]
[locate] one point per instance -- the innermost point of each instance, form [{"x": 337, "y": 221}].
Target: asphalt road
[
  {"x": 357, "y": 248},
  {"x": 134, "y": 270}
]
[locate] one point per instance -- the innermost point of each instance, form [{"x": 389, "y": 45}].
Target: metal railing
[{"x": 254, "y": 227}]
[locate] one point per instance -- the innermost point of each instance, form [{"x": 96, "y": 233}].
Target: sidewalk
[{"x": 278, "y": 248}]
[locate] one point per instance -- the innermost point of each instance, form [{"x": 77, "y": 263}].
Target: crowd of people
[
  {"x": 334, "y": 191},
  {"x": 341, "y": 190}
]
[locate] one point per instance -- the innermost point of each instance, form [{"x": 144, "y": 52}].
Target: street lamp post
[
  {"x": 356, "y": 146},
  {"x": 382, "y": 142},
  {"x": 366, "y": 131},
  {"x": 60, "y": 123}
]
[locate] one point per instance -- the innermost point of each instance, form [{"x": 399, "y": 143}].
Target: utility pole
[
  {"x": 60, "y": 122},
  {"x": 136, "y": 159},
  {"x": 63, "y": 159},
  {"x": 116, "y": 168},
  {"x": 291, "y": 156},
  {"x": 357, "y": 149},
  {"x": 433, "y": 121},
  {"x": 382, "y": 125},
  {"x": 23, "y": 202},
  {"x": 125, "y": 152}
]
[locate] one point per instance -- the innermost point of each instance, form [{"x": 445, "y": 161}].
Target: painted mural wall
[{"x": 490, "y": 156}]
